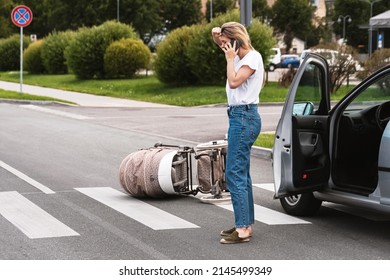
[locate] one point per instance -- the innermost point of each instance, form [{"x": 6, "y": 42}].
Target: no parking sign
[{"x": 21, "y": 16}]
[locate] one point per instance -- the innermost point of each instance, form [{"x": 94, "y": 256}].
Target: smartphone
[{"x": 237, "y": 43}]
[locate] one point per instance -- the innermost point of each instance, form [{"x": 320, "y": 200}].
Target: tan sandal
[
  {"x": 234, "y": 238},
  {"x": 230, "y": 231},
  {"x": 227, "y": 232}
]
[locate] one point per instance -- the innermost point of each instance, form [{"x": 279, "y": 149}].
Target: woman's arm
[{"x": 235, "y": 79}]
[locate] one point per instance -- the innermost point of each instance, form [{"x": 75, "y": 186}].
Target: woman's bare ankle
[{"x": 243, "y": 232}]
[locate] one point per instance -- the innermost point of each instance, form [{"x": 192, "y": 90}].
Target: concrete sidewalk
[{"x": 82, "y": 99}]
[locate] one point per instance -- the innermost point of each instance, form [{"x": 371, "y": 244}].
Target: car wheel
[
  {"x": 271, "y": 68},
  {"x": 301, "y": 204}
]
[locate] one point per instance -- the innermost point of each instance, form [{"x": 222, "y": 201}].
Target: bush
[
  {"x": 32, "y": 58},
  {"x": 123, "y": 58},
  {"x": 172, "y": 64},
  {"x": 10, "y": 52},
  {"x": 341, "y": 60},
  {"x": 53, "y": 52},
  {"x": 208, "y": 61},
  {"x": 379, "y": 59},
  {"x": 85, "y": 54},
  {"x": 287, "y": 77}
]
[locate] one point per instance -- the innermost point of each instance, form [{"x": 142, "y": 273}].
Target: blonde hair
[{"x": 237, "y": 31}]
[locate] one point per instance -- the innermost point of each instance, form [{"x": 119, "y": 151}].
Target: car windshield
[{"x": 374, "y": 94}]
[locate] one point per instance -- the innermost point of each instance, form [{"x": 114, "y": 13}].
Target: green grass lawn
[
  {"x": 6, "y": 94},
  {"x": 150, "y": 89},
  {"x": 265, "y": 140}
]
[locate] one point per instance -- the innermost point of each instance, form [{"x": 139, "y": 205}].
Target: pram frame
[{"x": 188, "y": 152}]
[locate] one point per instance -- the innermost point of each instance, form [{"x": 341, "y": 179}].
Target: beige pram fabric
[
  {"x": 163, "y": 170},
  {"x": 154, "y": 172},
  {"x": 210, "y": 169}
]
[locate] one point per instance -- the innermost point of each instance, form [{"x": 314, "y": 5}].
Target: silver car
[{"x": 338, "y": 153}]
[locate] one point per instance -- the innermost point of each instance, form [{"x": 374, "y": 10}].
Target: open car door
[{"x": 301, "y": 147}]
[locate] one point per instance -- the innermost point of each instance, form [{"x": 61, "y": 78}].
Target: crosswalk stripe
[
  {"x": 271, "y": 217},
  {"x": 136, "y": 209},
  {"x": 266, "y": 186},
  {"x": 274, "y": 217},
  {"x": 30, "y": 219},
  {"x": 266, "y": 215},
  {"x": 25, "y": 178}
]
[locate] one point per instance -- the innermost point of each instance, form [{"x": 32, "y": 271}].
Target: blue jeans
[{"x": 244, "y": 128}]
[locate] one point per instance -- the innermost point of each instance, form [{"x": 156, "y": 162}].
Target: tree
[
  {"x": 5, "y": 18},
  {"x": 144, "y": 16},
  {"x": 293, "y": 18},
  {"x": 219, "y": 7},
  {"x": 360, "y": 15},
  {"x": 260, "y": 9},
  {"x": 342, "y": 63},
  {"x": 177, "y": 13}
]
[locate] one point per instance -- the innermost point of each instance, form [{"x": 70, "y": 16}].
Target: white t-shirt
[{"x": 248, "y": 92}]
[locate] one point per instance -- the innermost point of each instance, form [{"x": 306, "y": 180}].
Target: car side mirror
[{"x": 303, "y": 108}]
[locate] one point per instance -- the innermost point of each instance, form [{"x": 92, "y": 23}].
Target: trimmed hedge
[
  {"x": 189, "y": 54},
  {"x": 208, "y": 61},
  {"x": 85, "y": 54},
  {"x": 53, "y": 51},
  {"x": 32, "y": 58},
  {"x": 124, "y": 57},
  {"x": 10, "y": 52},
  {"x": 172, "y": 65}
]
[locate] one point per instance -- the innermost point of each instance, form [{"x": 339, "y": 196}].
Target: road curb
[
  {"x": 34, "y": 102},
  {"x": 261, "y": 152}
]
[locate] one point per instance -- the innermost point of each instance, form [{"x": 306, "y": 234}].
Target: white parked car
[
  {"x": 339, "y": 154},
  {"x": 274, "y": 60},
  {"x": 334, "y": 58}
]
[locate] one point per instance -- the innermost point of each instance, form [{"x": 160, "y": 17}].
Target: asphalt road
[{"x": 60, "y": 196}]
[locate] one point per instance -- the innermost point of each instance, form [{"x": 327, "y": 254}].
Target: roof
[{"x": 381, "y": 21}]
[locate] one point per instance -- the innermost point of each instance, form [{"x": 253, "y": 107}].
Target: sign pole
[
  {"x": 21, "y": 60},
  {"x": 21, "y": 16}
]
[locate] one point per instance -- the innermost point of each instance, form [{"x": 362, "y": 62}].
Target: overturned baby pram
[{"x": 164, "y": 170}]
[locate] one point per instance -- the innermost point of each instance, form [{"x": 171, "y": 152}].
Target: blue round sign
[{"x": 21, "y": 16}]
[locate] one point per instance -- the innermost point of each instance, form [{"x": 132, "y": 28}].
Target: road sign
[
  {"x": 380, "y": 41},
  {"x": 21, "y": 16}
]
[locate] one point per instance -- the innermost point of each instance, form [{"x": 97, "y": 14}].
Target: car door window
[{"x": 309, "y": 90}]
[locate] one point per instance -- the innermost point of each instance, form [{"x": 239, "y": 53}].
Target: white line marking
[
  {"x": 271, "y": 217},
  {"x": 55, "y": 112},
  {"x": 138, "y": 210},
  {"x": 266, "y": 215},
  {"x": 268, "y": 187},
  {"x": 30, "y": 219},
  {"x": 25, "y": 178}
]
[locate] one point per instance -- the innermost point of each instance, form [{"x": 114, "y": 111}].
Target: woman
[{"x": 245, "y": 72}]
